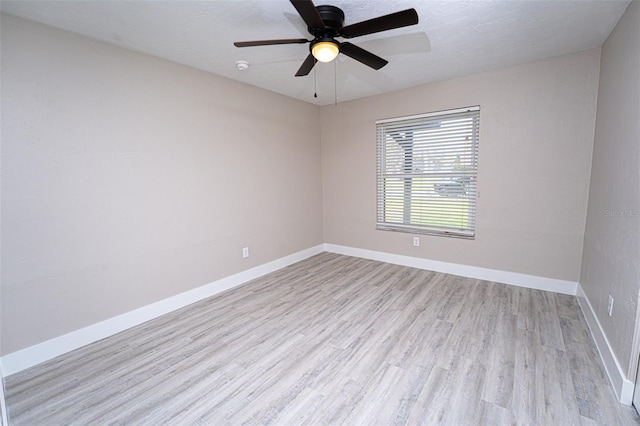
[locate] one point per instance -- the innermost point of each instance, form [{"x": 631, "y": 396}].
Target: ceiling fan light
[{"x": 325, "y": 51}]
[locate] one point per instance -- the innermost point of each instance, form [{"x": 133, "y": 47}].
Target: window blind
[{"x": 427, "y": 173}]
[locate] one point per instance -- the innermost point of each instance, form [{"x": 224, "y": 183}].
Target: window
[{"x": 427, "y": 170}]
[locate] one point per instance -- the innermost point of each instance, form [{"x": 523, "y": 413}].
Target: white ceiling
[{"x": 453, "y": 37}]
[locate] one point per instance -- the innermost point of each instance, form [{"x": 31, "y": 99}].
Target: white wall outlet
[
  {"x": 416, "y": 241},
  {"x": 610, "y": 307},
  {"x": 245, "y": 252}
]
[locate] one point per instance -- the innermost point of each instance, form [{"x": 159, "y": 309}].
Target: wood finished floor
[{"x": 336, "y": 340}]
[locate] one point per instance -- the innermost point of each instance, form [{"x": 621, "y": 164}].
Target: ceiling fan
[{"x": 325, "y": 23}]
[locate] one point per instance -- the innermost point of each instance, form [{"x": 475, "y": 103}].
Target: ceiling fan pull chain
[{"x": 315, "y": 83}]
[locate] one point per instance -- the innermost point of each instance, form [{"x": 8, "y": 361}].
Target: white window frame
[{"x": 427, "y": 169}]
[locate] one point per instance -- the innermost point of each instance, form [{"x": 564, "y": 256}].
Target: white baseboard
[
  {"x": 3, "y": 404},
  {"x": 494, "y": 275},
  {"x": 622, "y": 386},
  {"x": 33, "y": 355}
]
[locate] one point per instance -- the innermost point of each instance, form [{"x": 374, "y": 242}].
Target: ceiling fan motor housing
[{"x": 333, "y": 18}]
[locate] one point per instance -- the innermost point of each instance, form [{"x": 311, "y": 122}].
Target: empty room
[{"x": 298, "y": 213}]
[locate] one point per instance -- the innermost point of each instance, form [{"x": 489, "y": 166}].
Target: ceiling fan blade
[
  {"x": 306, "y": 66},
  {"x": 382, "y": 23},
  {"x": 309, "y": 13},
  {"x": 270, "y": 42},
  {"x": 361, "y": 55}
]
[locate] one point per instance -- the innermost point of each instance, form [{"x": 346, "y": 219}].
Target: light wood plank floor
[{"x": 337, "y": 340}]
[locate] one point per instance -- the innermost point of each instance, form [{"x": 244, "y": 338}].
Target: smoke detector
[{"x": 242, "y": 65}]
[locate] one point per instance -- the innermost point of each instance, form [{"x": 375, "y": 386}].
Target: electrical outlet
[
  {"x": 416, "y": 241},
  {"x": 610, "y": 307},
  {"x": 245, "y": 252}
]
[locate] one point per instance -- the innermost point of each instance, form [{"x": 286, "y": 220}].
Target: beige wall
[
  {"x": 127, "y": 179},
  {"x": 536, "y": 138},
  {"x": 611, "y": 260}
]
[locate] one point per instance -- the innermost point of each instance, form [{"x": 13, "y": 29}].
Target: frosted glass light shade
[{"x": 325, "y": 51}]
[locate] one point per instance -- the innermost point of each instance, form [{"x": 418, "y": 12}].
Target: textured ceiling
[{"x": 453, "y": 38}]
